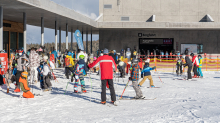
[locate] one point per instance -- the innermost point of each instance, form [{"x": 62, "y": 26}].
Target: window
[
  {"x": 107, "y": 6},
  {"x": 192, "y": 48},
  {"x": 124, "y": 18}
]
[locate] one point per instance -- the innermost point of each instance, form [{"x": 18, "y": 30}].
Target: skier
[
  {"x": 134, "y": 78},
  {"x": 106, "y": 65},
  {"x": 69, "y": 64},
  {"x": 22, "y": 63},
  {"x": 189, "y": 64},
  {"x": 24, "y": 85},
  {"x": 195, "y": 65},
  {"x": 121, "y": 67},
  {"x": 81, "y": 52},
  {"x": 46, "y": 75},
  {"x": 179, "y": 68},
  {"x": 146, "y": 74},
  {"x": 34, "y": 63},
  {"x": 113, "y": 55},
  {"x": 39, "y": 69},
  {"x": 200, "y": 67},
  {"x": 79, "y": 69},
  {"x": 55, "y": 55}
]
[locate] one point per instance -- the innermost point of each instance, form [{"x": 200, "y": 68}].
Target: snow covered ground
[{"x": 176, "y": 101}]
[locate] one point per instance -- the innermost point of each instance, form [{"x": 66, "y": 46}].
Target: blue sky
[{"x": 89, "y": 8}]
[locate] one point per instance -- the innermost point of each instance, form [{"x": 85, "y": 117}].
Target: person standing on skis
[
  {"x": 189, "y": 64},
  {"x": 179, "y": 68},
  {"x": 79, "y": 69},
  {"x": 134, "y": 78},
  {"x": 34, "y": 63},
  {"x": 200, "y": 67},
  {"x": 195, "y": 61},
  {"x": 147, "y": 75},
  {"x": 107, "y": 66}
]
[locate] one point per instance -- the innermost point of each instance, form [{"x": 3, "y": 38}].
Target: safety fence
[{"x": 168, "y": 64}]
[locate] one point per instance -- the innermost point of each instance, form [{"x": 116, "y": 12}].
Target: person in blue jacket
[
  {"x": 147, "y": 75},
  {"x": 55, "y": 55},
  {"x": 39, "y": 69}
]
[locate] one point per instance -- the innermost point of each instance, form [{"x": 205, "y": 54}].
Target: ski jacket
[
  {"x": 71, "y": 62},
  {"x": 106, "y": 65},
  {"x": 188, "y": 62},
  {"x": 200, "y": 63},
  {"x": 135, "y": 72},
  {"x": 24, "y": 85},
  {"x": 80, "y": 67},
  {"x": 82, "y": 53},
  {"x": 46, "y": 69},
  {"x": 22, "y": 61},
  {"x": 34, "y": 59},
  {"x": 113, "y": 56},
  {"x": 179, "y": 62},
  {"x": 195, "y": 61},
  {"x": 146, "y": 70},
  {"x": 14, "y": 71},
  {"x": 55, "y": 54}
]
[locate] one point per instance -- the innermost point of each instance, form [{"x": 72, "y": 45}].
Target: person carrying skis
[
  {"x": 179, "y": 68},
  {"x": 24, "y": 85},
  {"x": 146, "y": 74},
  {"x": 106, "y": 67},
  {"x": 200, "y": 66},
  {"x": 79, "y": 69},
  {"x": 121, "y": 67},
  {"x": 189, "y": 64},
  {"x": 46, "y": 75},
  {"x": 134, "y": 78},
  {"x": 195, "y": 61},
  {"x": 22, "y": 64},
  {"x": 34, "y": 63}
]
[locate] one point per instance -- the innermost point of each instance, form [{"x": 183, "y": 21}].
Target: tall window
[
  {"x": 20, "y": 41},
  {"x": 13, "y": 40}
]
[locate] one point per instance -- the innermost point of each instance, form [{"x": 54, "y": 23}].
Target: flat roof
[{"x": 51, "y": 11}]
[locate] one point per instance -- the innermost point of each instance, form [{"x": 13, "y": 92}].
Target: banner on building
[{"x": 79, "y": 41}]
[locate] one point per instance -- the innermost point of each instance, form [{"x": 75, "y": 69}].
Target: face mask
[{"x": 20, "y": 54}]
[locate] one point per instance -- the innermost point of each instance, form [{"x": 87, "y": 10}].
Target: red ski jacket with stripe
[
  {"x": 106, "y": 65},
  {"x": 195, "y": 61}
]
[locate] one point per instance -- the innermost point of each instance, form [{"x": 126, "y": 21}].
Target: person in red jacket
[
  {"x": 195, "y": 65},
  {"x": 106, "y": 65}
]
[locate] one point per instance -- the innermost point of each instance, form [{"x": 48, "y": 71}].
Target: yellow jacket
[{"x": 71, "y": 60}]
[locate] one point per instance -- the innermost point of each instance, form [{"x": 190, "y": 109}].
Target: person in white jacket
[
  {"x": 46, "y": 73},
  {"x": 81, "y": 52}
]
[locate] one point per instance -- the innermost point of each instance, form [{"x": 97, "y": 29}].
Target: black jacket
[
  {"x": 113, "y": 56},
  {"x": 188, "y": 62}
]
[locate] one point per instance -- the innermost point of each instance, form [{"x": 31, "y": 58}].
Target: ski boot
[
  {"x": 103, "y": 102},
  {"x": 75, "y": 91},
  {"x": 84, "y": 91},
  {"x": 152, "y": 86},
  {"x": 17, "y": 90}
]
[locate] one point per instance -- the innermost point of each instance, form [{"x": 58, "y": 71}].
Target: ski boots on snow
[
  {"x": 152, "y": 86},
  {"x": 103, "y": 102},
  {"x": 84, "y": 91},
  {"x": 75, "y": 91},
  {"x": 17, "y": 90}
]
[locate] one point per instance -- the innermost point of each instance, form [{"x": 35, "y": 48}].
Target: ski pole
[
  {"x": 124, "y": 90},
  {"x": 91, "y": 86},
  {"x": 160, "y": 79},
  {"x": 66, "y": 87}
]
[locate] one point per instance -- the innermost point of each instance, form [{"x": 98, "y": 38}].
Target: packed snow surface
[{"x": 176, "y": 101}]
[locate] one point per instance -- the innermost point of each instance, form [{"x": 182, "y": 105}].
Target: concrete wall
[
  {"x": 165, "y": 10},
  {"x": 117, "y": 39}
]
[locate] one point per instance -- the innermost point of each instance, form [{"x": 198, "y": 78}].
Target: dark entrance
[{"x": 152, "y": 45}]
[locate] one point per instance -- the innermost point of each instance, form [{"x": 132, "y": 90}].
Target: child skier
[
  {"x": 200, "y": 67},
  {"x": 24, "y": 85},
  {"x": 79, "y": 69},
  {"x": 121, "y": 67},
  {"x": 46, "y": 75},
  {"x": 179, "y": 67},
  {"x": 134, "y": 78},
  {"x": 147, "y": 75}
]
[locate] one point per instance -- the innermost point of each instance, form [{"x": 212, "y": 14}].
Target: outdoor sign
[
  {"x": 79, "y": 41},
  {"x": 156, "y": 41},
  {"x": 192, "y": 48}
]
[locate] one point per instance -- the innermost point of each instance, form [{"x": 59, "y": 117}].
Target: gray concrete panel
[{"x": 1, "y": 28}]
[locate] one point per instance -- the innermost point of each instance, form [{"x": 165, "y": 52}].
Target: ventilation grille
[
  {"x": 108, "y": 6},
  {"x": 124, "y": 18}
]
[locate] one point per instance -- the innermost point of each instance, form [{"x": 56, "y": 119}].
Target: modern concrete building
[
  {"x": 160, "y": 24},
  {"x": 144, "y": 24}
]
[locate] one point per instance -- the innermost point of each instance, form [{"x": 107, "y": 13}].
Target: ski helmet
[
  {"x": 135, "y": 61},
  {"x": 81, "y": 56},
  {"x": 24, "y": 74},
  {"x": 183, "y": 56},
  {"x": 200, "y": 56},
  {"x": 147, "y": 64},
  {"x": 192, "y": 54}
]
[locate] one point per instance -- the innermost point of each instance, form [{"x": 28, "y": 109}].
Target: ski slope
[{"x": 176, "y": 101}]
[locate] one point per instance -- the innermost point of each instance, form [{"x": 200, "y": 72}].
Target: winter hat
[
  {"x": 94, "y": 58},
  {"x": 45, "y": 58},
  {"x": 105, "y": 51},
  {"x": 81, "y": 56},
  {"x": 40, "y": 49}
]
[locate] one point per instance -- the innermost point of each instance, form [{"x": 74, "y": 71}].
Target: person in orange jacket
[{"x": 24, "y": 85}]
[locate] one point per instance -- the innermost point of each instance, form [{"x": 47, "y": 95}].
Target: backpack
[{"x": 67, "y": 62}]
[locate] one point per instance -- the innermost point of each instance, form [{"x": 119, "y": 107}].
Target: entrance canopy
[{"x": 50, "y": 11}]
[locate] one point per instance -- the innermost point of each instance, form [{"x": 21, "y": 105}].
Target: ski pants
[
  {"x": 189, "y": 72},
  {"x": 179, "y": 69},
  {"x": 144, "y": 79},
  {"x": 34, "y": 74},
  {"x": 28, "y": 95},
  {"x": 195, "y": 70},
  {"x": 111, "y": 87},
  {"x": 122, "y": 71},
  {"x": 18, "y": 75},
  {"x": 137, "y": 89},
  {"x": 200, "y": 72},
  {"x": 47, "y": 82},
  {"x": 79, "y": 77},
  {"x": 68, "y": 69}
]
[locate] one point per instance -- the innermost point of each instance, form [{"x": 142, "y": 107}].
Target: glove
[
  {"x": 142, "y": 75},
  {"x": 130, "y": 78}
]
